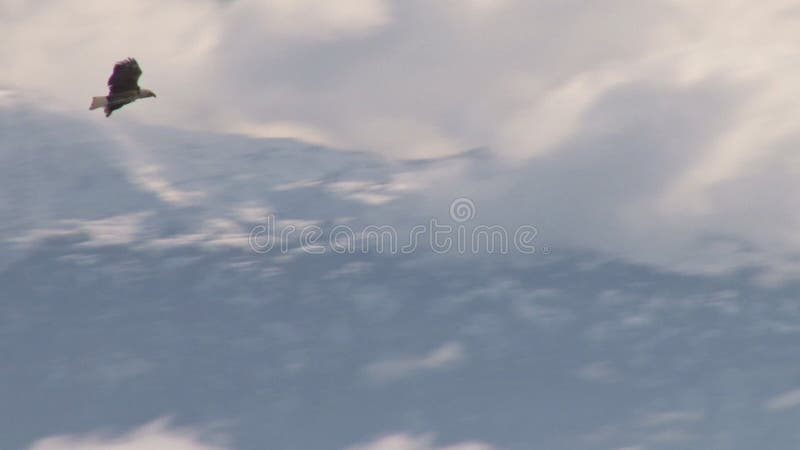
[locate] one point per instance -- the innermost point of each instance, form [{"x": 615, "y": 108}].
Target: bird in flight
[{"x": 123, "y": 87}]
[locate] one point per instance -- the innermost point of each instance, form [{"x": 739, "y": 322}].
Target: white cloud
[
  {"x": 79, "y": 54},
  {"x": 293, "y": 130},
  {"x": 348, "y": 270},
  {"x": 307, "y": 67},
  {"x": 314, "y": 18},
  {"x": 784, "y": 401},
  {"x": 149, "y": 178},
  {"x": 597, "y": 372},
  {"x": 302, "y": 184},
  {"x": 364, "y": 192},
  {"x": 155, "y": 435},
  {"x": 116, "y": 230},
  {"x": 403, "y": 441},
  {"x": 673, "y": 417},
  {"x": 445, "y": 356},
  {"x": 251, "y": 212},
  {"x": 687, "y": 104},
  {"x": 176, "y": 42}
]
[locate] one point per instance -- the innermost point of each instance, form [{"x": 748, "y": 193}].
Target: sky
[{"x": 649, "y": 145}]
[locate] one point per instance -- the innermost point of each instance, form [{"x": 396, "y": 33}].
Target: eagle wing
[{"x": 125, "y": 77}]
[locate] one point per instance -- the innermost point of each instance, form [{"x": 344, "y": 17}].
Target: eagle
[{"x": 123, "y": 87}]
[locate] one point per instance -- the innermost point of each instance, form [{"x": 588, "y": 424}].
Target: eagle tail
[{"x": 98, "y": 102}]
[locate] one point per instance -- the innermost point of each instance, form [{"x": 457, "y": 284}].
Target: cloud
[
  {"x": 598, "y": 372},
  {"x": 651, "y": 132},
  {"x": 313, "y": 18},
  {"x": 784, "y": 401},
  {"x": 116, "y": 230},
  {"x": 445, "y": 356},
  {"x": 178, "y": 48},
  {"x": 402, "y": 441},
  {"x": 155, "y": 435},
  {"x": 673, "y": 417},
  {"x": 339, "y": 72}
]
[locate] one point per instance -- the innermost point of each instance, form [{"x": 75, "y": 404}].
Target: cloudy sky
[{"x": 650, "y": 144}]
